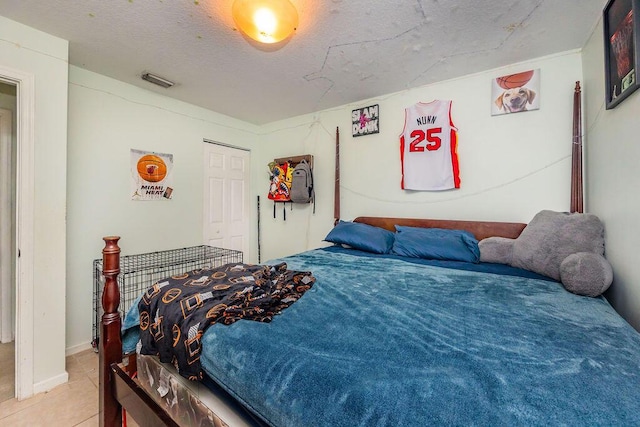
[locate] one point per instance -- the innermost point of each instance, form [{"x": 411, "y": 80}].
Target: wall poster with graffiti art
[{"x": 365, "y": 121}]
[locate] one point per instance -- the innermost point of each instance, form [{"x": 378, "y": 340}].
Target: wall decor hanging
[
  {"x": 515, "y": 93},
  {"x": 429, "y": 148},
  {"x": 621, "y": 53},
  {"x": 365, "y": 121},
  {"x": 285, "y": 182},
  {"x": 151, "y": 175}
]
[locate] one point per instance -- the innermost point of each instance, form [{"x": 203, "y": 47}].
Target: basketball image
[
  {"x": 152, "y": 168},
  {"x": 514, "y": 80}
]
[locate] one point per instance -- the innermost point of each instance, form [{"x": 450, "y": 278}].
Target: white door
[{"x": 226, "y": 197}]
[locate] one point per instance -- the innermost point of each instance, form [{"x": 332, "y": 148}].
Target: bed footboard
[
  {"x": 117, "y": 390},
  {"x": 110, "y": 346}
]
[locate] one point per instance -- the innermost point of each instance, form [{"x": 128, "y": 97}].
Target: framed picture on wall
[
  {"x": 621, "y": 29},
  {"x": 515, "y": 93}
]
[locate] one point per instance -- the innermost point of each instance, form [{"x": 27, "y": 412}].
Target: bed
[{"x": 390, "y": 340}]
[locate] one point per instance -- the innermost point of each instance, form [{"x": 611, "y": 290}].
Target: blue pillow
[
  {"x": 361, "y": 236},
  {"x": 436, "y": 243}
]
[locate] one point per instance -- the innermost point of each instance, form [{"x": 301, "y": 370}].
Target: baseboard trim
[
  {"x": 78, "y": 348},
  {"x": 51, "y": 383}
]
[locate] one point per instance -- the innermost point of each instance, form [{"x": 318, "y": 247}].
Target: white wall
[
  {"x": 512, "y": 166},
  {"x": 612, "y": 176},
  {"x": 46, "y": 57},
  {"x": 108, "y": 118}
]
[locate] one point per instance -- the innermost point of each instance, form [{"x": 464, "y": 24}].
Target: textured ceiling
[{"x": 344, "y": 50}]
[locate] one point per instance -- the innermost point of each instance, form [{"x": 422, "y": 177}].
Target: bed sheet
[{"x": 381, "y": 341}]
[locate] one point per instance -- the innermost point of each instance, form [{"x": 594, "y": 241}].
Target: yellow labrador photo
[{"x": 515, "y": 100}]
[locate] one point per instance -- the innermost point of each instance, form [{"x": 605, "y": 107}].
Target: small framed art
[
  {"x": 515, "y": 93},
  {"x": 621, "y": 29},
  {"x": 365, "y": 121}
]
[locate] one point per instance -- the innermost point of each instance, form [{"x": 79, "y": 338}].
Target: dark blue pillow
[
  {"x": 361, "y": 236},
  {"x": 436, "y": 243}
]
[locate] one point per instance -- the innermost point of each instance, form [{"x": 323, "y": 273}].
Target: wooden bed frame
[{"x": 118, "y": 391}]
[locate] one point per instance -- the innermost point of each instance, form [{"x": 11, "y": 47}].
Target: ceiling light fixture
[
  {"x": 266, "y": 21},
  {"x": 152, "y": 78}
]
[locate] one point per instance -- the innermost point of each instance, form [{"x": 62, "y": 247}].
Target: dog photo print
[{"x": 515, "y": 93}]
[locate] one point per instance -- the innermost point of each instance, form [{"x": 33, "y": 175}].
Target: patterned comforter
[{"x": 174, "y": 313}]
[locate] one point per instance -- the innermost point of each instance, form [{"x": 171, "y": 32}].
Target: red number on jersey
[{"x": 433, "y": 140}]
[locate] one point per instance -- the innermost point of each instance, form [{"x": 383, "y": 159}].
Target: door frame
[{"x": 25, "y": 212}]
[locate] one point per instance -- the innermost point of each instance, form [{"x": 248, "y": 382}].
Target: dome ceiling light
[{"x": 266, "y": 21}]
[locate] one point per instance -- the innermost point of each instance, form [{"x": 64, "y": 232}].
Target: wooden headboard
[{"x": 480, "y": 229}]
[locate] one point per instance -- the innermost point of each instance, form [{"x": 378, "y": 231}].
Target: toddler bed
[{"x": 384, "y": 339}]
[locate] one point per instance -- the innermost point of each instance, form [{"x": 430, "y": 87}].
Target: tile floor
[
  {"x": 72, "y": 404},
  {"x": 7, "y": 371}
]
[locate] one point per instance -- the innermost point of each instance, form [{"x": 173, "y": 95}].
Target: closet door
[{"x": 226, "y": 197}]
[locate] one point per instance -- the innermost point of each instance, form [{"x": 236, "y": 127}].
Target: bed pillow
[
  {"x": 551, "y": 236},
  {"x": 361, "y": 236},
  {"x": 436, "y": 243},
  {"x": 498, "y": 250},
  {"x": 586, "y": 273}
]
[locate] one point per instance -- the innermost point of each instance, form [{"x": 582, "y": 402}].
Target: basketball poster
[
  {"x": 515, "y": 93},
  {"x": 364, "y": 121},
  {"x": 151, "y": 175}
]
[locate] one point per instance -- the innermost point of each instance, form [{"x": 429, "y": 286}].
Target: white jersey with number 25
[{"x": 428, "y": 148}]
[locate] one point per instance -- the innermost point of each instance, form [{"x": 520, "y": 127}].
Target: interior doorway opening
[{"x": 8, "y": 150}]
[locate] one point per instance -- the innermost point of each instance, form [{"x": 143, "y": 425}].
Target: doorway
[
  {"x": 23, "y": 248},
  {"x": 8, "y": 141},
  {"x": 226, "y": 197}
]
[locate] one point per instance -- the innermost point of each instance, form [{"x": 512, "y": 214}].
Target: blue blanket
[{"x": 383, "y": 342}]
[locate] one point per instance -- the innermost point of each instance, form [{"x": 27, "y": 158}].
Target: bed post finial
[{"x": 110, "y": 343}]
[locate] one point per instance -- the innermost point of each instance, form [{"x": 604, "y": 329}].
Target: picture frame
[
  {"x": 621, "y": 54},
  {"x": 515, "y": 93},
  {"x": 365, "y": 121}
]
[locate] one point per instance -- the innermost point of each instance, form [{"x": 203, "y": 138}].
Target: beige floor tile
[
  {"x": 12, "y": 406},
  {"x": 94, "y": 376},
  {"x": 6, "y": 392},
  {"x": 7, "y": 371},
  {"x": 70, "y": 404},
  {"x": 91, "y": 422}
]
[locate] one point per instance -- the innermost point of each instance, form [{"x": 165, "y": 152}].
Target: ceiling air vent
[{"x": 157, "y": 80}]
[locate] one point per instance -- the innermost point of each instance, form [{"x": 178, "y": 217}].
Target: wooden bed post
[
  {"x": 576, "y": 153},
  {"x": 336, "y": 195},
  {"x": 110, "y": 342}
]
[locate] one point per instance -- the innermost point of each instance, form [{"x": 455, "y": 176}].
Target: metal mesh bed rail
[{"x": 140, "y": 271}]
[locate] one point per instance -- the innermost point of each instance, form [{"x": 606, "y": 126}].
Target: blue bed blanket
[{"x": 383, "y": 342}]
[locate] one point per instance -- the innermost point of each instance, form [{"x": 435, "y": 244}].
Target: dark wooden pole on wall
[
  {"x": 336, "y": 196},
  {"x": 576, "y": 154},
  {"x": 110, "y": 343}
]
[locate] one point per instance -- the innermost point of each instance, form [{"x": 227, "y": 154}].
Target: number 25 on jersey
[{"x": 431, "y": 136}]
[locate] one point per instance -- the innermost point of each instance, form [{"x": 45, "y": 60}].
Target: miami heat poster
[{"x": 151, "y": 175}]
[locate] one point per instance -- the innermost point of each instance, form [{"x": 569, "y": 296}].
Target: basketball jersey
[{"x": 428, "y": 148}]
